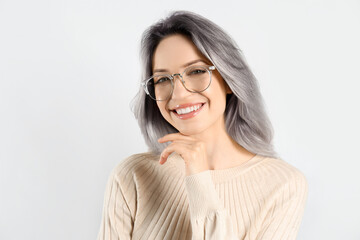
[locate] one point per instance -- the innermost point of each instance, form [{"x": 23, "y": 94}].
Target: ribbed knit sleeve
[
  {"x": 209, "y": 219},
  {"x": 116, "y": 220}
]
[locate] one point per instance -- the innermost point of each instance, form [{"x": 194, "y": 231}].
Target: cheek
[
  {"x": 163, "y": 110},
  {"x": 218, "y": 99},
  {"x": 218, "y": 91}
]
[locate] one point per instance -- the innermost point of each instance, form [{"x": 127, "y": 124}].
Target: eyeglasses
[{"x": 194, "y": 79}]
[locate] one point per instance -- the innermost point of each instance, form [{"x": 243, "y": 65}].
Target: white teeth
[{"x": 188, "y": 109}]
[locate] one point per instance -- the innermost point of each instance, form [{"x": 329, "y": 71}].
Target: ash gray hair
[{"x": 245, "y": 117}]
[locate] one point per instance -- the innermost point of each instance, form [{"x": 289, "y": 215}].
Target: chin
[
  {"x": 187, "y": 128},
  {"x": 190, "y": 131}
]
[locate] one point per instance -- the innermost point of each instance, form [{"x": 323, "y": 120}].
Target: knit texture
[{"x": 263, "y": 198}]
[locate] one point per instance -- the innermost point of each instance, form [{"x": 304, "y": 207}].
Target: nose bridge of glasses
[
  {"x": 175, "y": 89},
  {"x": 180, "y": 78},
  {"x": 177, "y": 74}
]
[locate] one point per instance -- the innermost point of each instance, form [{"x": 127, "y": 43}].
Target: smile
[{"x": 188, "y": 112}]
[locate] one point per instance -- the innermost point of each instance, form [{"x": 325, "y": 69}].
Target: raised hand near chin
[{"x": 191, "y": 150}]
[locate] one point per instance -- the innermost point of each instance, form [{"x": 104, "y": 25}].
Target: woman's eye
[
  {"x": 161, "y": 80},
  {"x": 197, "y": 71}
]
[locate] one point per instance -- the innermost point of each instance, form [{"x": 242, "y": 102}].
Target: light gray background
[{"x": 69, "y": 69}]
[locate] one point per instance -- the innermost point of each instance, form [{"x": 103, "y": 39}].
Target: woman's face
[{"x": 171, "y": 55}]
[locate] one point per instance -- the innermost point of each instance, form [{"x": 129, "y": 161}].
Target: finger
[
  {"x": 168, "y": 150},
  {"x": 179, "y": 148},
  {"x": 180, "y": 142},
  {"x": 174, "y": 136}
]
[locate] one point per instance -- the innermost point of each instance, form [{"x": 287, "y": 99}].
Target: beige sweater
[{"x": 263, "y": 198}]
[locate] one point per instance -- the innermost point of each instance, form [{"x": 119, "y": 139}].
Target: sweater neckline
[{"x": 221, "y": 175}]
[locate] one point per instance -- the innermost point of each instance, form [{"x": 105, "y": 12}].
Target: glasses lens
[
  {"x": 159, "y": 87},
  {"x": 197, "y": 79}
]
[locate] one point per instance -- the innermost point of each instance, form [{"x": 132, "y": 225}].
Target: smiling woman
[
  {"x": 211, "y": 171},
  {"x": 208, "y": 90}
]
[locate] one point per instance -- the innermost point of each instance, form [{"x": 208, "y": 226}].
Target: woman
[{"x": 211, "y": 171}]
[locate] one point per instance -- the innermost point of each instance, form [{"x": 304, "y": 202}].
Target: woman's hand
[{"x": 191, "y": 150}]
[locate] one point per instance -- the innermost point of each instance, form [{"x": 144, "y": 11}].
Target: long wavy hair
[{"x": 245, "y": 117}]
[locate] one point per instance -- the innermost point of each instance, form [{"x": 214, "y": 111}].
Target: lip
[
  {"x": 186, "y": 105},
  {"x": 190, "y": 114}
]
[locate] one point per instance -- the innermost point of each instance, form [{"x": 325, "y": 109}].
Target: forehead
[{"x": 174, "y": 51}]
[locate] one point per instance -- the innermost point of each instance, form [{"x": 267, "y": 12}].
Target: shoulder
[
  {"x": 134, "y": 164},
  {"x": 280, "y": 169},
  {"x": 125, "y": 176},
  {"x": 278, "y": 175}
]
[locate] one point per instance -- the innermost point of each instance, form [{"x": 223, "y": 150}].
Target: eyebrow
[{"x": 185, "y": 65}]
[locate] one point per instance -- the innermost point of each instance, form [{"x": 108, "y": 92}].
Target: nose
[{"x": 179, "y": 91}]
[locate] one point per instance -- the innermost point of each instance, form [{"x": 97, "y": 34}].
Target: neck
[{"x": 222, "y": 151}]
